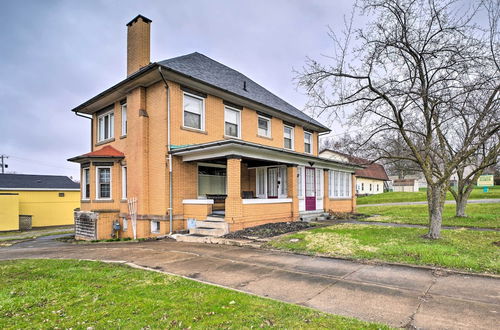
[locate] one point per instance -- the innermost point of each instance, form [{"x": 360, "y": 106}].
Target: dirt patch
[{"x": 270, "y": 230}]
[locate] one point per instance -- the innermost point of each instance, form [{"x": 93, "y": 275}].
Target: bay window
[
  {"x": 103, "y": 183},
  {"x": 124, "y": 182},
  {"x": 86, "y": 183},
  {"x": 232, "y": 125},
  {"x": 193, "y": 112}
]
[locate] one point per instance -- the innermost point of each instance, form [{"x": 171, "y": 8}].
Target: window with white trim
[
  {"x": 300, "y": 184},
  {"x": 261, "y": 182},
  {"x": 271, "y": 182},
  {"x": 125, "y": 224},
  {"x": 124, "y": 119},
  {"x": 283, "y": 193},
  {"x": 155, "y": 226},
  {"x": 103, "y": 180},
  {"x": 288, "y": 137},
  {"x": 194, "y": 111},
  {"x": 105, "y": 126},
  {"x": 124, "y": 182},
  {"x": 86, "y": 183},
  {"x": 308, "y": 142},
  {"x": 319, "y": 183},
  {"x": 339, "y": 184},
  {"x": 264, "y": 126},
  {"x": 232, "y": 125}
]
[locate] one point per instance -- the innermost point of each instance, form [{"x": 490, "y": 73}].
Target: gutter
[
  {"x": 91, "y": 127},
  {"x": 170, "y": 174}
]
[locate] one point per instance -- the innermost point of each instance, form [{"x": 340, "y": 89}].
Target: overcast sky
[{"x": 54, "y": 55}]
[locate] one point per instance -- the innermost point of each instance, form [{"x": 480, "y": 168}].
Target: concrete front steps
[
  {"x": 314, "y": 216},
  {"x": 213, "y": 226}
]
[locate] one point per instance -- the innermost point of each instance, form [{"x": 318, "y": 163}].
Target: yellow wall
[
  {"x": 9, "y": 212},
  {"x": 47, "y": 208},
  {"x": 366, "y": 183}
]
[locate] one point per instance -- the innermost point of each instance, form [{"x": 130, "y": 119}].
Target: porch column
[
  {"x": 326, "y": 190},
  {"x": 292, "y": 189},
  {"x": 353, "y": 193},
  {"x": 234, "y": 203}
]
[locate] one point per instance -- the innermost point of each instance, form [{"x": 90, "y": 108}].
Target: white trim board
[
  {"x": 198, "y": 201},
  {"x": 266, "y": 201}
]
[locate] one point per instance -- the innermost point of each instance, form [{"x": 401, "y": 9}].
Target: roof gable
[{"x": 37, "y": 182}]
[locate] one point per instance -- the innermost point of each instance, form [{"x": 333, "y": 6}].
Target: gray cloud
[{"x": 55, "y": 55}]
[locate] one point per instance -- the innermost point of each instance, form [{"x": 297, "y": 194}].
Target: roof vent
[{"x": 245, "y": 85}]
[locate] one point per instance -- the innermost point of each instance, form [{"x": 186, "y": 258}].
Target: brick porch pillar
[
  {"x": 292, "y": 189},
  {"x": 234, "y": 203},
  {"x": 353, "y": 193},
  {"x": 326, "y": 190}
]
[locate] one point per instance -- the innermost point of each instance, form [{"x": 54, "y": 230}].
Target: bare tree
[{"x": 410, "y": 70}]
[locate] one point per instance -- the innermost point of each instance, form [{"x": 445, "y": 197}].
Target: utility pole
[{"x": 4, "y": 166}]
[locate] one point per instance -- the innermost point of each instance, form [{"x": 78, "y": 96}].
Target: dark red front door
[{"x": 310, "y": 189}]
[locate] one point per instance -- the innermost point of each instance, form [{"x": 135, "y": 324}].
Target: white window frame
[
  {"x": 320, "y": 182},
  {"x": 344, "y": 180},
  {"x": 310, "y": 142},
  {"x": 268, "y": 120},
  {"x": 111, "y": 128},
  {"x": 124, "y": 182},
  {"x": 202, "y": 119},
  {"x": 300, "y": 179},
  {"x": 153, "y": 222},
  {"x": 292, "y": 136},
  {"x": 239, "y": 121},
  {"x": 84, "y": 183},
  {"x": 97, "y": 185},
  {"x": 124, "y": 119},
  {"x": 125, "y": 224},
  {"x": 282, "y": 176}
]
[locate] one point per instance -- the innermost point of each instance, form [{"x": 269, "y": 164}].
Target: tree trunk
[
  {"x": 461, "y": 205},
  {"x": 436, "y": 196}
]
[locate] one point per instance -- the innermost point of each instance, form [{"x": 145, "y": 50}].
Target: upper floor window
[
  {"x": 288, "y": 137},
  {"x": 232, "y": 122},
  {"x": 103, "y": 180},
  {"x": 264, "y": 126},
  {"x": 194, "y": 110},
  {"x": 105, "y": 126},
  {"x": 86, "y": 183},
  {"x": 124, "y": 119},
  {"x": 308, "y": 142}
]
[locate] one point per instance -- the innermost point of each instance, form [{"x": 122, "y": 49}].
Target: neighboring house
[
  {"x": 405, "y": 185},
  {"x": 37, "y": 201},
  {"x": 370, "y": 180},
  {"x": 194, "y": 140}
]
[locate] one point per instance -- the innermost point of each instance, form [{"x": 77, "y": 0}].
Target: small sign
[
  {"x": 191, "y": 223},
  {"x": 485, "y": 180}
]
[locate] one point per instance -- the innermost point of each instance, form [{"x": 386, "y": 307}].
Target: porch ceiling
[{"x": 255, "y": 153}]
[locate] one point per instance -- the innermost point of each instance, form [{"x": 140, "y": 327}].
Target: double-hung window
[
  {"x": 124, "y": 119},
  {"x": 308, "y": 140},
  {"x": 340, "y": 184},
  {"x": 105, "y": 126},
  {"x": 264, "y": 126},
  {"x": 232, "y": 122},
  {"x": 288, "y": 137},
  {"x": 194, "y": 109},
  {"x": 124, "y": 182},
  {"x": 103, "y": 180},
  {"x": 86, "y": 183}
]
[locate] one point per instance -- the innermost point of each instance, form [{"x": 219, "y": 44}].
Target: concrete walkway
[
  {"x": 473, "y": 201},
  {"x": 396, "y": 295}
]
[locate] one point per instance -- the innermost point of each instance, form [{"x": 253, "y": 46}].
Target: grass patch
[
  {"x": 84, "y": 294},
  {"x": 421, "y": 196},
  {"x": 34, "y": 233},
  {"x": 457, "y": 249},
  {"x": 479, "y": 215}
]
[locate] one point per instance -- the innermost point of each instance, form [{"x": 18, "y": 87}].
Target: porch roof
[{"x": 249, "y": 150}]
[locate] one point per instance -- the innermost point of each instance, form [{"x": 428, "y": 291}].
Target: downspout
[
  {"x": 91, "y": 129},
  {"x": 170, "y": 185}
]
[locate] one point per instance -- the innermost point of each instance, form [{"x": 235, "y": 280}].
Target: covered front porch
[{"x": 245, "y": 185}]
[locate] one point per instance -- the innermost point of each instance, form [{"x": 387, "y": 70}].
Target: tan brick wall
[
  {"x": 196, "y": 211},
  {"x": 138, "y": 45},
  {"x": 258, "y": 214},
  {"x": 339, "y": 205}
]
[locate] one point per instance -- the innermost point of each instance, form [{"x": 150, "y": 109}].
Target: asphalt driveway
[{"x": 400, "y": 296}]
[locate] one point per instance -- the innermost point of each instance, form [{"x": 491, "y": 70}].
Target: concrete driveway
[{"x": 396, "y": 295}]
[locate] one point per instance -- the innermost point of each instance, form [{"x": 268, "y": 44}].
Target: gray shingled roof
[
  {"x": 32, "y": 181},
  {"x": 205, "y": 69}
]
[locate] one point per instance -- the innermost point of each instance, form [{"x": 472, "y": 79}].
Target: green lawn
[
  {"x": 479, "y": 215},
  {"x": 421, "y": 196},
  {"x": 93, "y": 295},
  {"x": 457, "y": 249}
]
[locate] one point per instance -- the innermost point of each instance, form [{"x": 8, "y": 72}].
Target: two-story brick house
[{"x": 192, "y": 139}]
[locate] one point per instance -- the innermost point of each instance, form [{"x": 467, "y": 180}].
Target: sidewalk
[{"x": 396, "y": 295}]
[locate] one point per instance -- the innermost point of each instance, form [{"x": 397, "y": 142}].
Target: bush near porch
[
  {"x": 460, "y": 249},
  {"x": 478, "y": 215},
  {"x": 94, "y": 295}
]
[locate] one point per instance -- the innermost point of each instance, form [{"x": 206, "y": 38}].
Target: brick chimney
[{"x": 138, "y": 43}]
